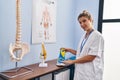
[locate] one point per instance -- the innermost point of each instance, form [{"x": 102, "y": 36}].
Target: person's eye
[
  {"x": 84, "y": 20},
  {"x": 80, "y": 22}
]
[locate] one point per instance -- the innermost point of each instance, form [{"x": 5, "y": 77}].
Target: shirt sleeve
[{"x": 97, "y": 46}]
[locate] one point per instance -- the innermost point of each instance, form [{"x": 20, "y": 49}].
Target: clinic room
[{"x": 59, "y": 40}]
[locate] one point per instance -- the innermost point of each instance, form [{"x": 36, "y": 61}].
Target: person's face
[{"x": 85, "y": 23}]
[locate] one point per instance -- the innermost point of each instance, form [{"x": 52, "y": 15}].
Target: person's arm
[
  {"x": 70, "y": 50},
  {"x": 88, "y": 58}
]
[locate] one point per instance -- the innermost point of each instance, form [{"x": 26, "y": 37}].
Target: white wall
[
  {"x": 111, "y": 31},
  {"x": 111, "y": 35}
]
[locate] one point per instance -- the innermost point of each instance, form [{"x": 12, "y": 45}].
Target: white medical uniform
[{"x": 94, "y": 45}]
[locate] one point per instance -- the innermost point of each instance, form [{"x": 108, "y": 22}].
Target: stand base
[
  {"x": 60, "y": 64},
  {"x": 43, "y": 65},
  {"x": 21, "y": 71}
]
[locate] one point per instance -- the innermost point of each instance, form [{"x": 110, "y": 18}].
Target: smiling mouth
[{"x": 84, "y": 27}]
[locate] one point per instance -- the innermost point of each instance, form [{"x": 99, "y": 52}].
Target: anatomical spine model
[
  {"x": 43, "y": 56},
  {"x": 18, "y": 49},
  {"x": 43, "y": 52}
]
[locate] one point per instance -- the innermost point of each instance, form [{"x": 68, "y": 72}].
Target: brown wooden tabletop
[{"x": 33, "y": 71}]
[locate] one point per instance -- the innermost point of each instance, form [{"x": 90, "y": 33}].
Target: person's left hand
[{"x": 68, "y": 62}]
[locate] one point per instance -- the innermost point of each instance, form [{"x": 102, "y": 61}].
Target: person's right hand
[
  {"x": 66, "y": 49},
  {"x": 69, "y": 50}
]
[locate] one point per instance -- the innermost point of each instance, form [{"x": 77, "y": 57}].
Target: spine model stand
[
  {"x": 43, "y": 56},
  {"x": 18, "y": 49}
]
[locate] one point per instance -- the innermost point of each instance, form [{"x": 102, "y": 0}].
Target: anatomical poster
[{"x": 44, "y": 21}]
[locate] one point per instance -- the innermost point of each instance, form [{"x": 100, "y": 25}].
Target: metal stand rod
[{"x": 16, "y": 64}]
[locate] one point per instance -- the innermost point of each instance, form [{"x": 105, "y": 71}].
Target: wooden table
[{"x": 33, "y": 72}]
